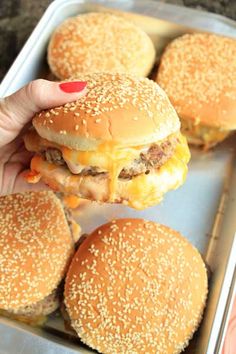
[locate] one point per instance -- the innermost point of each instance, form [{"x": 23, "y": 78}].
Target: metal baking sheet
[{"x": 203, "y": 209}]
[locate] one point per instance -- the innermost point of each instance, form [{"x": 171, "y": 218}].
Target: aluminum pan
[{"x": 203, "y": 209}]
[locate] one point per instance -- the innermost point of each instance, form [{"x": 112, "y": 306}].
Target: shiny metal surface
[{"x": 203, "y": 209}]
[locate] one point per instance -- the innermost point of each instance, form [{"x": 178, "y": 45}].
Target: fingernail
[{"x": 73, "y": 86}]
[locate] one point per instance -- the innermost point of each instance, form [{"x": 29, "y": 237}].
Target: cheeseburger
[
  {"x": 98, "y": 42},
  {"x": 135, "y": 286},
  {"x": 198, "y": 73},
  {"x": 120, "y": 143},
  {"x": 36, "y": 245}
]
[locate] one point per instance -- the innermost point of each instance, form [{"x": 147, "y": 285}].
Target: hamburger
[
  {"x": 135, "y": 286},
  {"x": 36, "y": 245},
  {"x": 198, "y": 73},
  {"x": 98, "y": 42},
  {"x": 119, "y": 144}
]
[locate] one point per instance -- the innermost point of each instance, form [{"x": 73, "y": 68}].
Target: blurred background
[{"x": 19, "y": 17}]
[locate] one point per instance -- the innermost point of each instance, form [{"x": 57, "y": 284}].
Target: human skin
[{"x": 16, "y": 112}]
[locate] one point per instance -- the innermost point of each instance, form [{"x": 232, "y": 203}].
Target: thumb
[{"x": 18, "y": 109}]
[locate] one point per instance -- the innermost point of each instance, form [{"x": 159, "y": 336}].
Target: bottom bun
[
  {"x": 136, "y": 287},
  {"x": 202, "y": 143},
  {"x": 139, "y": 192},
  {"x": 42, "y": 308},
  {"x": 35, "y": 314},
  {"x": 202, "y": 135}
]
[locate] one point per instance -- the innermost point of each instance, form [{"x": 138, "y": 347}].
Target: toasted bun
[
  {"x": 97, "y": 42},
  {"x": 198, "y": 73},
  {"x": 117, "y": 107},
  {"x": 139, "y": 192},
  {"x": 135, "y": 286},
  {"x": 35, "y": 247}
]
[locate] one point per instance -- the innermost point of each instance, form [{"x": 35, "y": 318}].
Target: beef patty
[
  {"x": 41, "y": 308},
  {"x": 153, "y": 158}
]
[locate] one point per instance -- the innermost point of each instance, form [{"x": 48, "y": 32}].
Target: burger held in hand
[{"x": 121, "y": 143}]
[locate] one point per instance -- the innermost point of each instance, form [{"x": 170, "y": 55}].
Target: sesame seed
[
  {"x": 104, "y": 95},
  {"x": 35, "y": 246},
  {"x": 128, "y": 300},
  {"x": 120, "y": 40},
  {"x": 197, "y": 70},
  {"x": 63, "y": 132}
]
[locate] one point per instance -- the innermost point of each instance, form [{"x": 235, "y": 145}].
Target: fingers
[
  {"x": 13, "y": 160},
  {"x": 18, "y": 109},
  {"x": 21, "y": 185},
  {"x": 12, "y": 180}
]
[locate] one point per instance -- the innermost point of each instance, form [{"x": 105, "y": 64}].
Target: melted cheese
[
  {"x": 203, "y": 135},
  {"x": 148, "y": 190},
  {"x": 71, "y": 201},
  {"x": 140, "y": 192},
  {"x": 31, "y": 176},
  {"x": 108, "y": 156}
]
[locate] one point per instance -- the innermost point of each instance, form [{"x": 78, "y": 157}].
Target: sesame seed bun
[
  {"x": 96, "y": 42},
  {"x": 117, "y": 107},
  {"x": 198, "y": 73},
  {"x": 35, "y": 314},
  {"x": 41, "y": 308},
  {"x": 35, "y": 248},
  {"x": 135, "y": 286}
]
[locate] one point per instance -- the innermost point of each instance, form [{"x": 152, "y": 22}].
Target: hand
[{"x": 16, "y": 111}]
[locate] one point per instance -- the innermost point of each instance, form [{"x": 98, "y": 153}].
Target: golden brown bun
[
  {"x": 41, "y": 308},
  {"x": 35, "y": 247},
  {"x": 135, "y": 286},
  {"x": 139, "y": 192},
  {"x": 35, "y": 314},
  {"x": 97, "y": 42},
  {"x": 202, "y": 135},
  {"x": 198, "y": 73},
  {"x": 117, "y": 107}
]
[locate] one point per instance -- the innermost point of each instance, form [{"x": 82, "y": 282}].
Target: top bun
[
  {"x": 198, "y": 73},
  {"x": 117, "y": 107},
  {"x": 96, "y": 42},
  {"x": 135, "y": 286},
  {"x": 35, "y": 247}
]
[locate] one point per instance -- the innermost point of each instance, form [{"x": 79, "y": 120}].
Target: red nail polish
[{"x": 73, "y": 86}]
